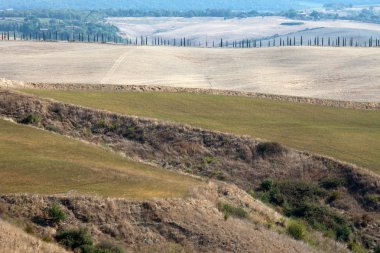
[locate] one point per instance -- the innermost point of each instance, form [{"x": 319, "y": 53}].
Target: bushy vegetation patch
[
  {"x": 55, "y": 213},
  {"x": 305, "y": 200},
  {"x": 75, "y": 239},
  {"x": 81, "y": 241},
  {"x": 230, "y": 210},
  {"x": 333, "y": 183},
  {"x": 296, "y": 229},
  {"x": 267, "y": 149},
  {"x": 31, "y": 119}
]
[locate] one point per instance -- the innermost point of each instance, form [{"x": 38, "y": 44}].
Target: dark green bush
[
  {"x": 133, "y": 133},
  {"x": 267, "y": 149},
  {"x": 343, "y": 233},
  {"x": 377, "y": 249},
  {"x": 297, "y": 230},
  {"x": 31, "y": 119},
  {"x": 75, "y": 239},
  {"x": 333, "y": 183},
  {"x": 266, "y": 185},
  {"x": 81, "y": 241},
  {"x": 55, "y": 213}
]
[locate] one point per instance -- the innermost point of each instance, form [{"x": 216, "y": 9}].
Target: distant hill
[{"x": 260, "y": 5}]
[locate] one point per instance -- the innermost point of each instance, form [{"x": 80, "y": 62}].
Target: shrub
[
  {"x": 209, "y": 160},
  {"x": 343, "y": 233},
  {"x": 269, "y": 149},
  {"x": 297, "y": 230},
  {"x": 133, "y": 133},
  {"x": 230, "y": 210},
  {"x": 372, "y": 199},
  {"x": 303, "y": 200},
  {"x": 356, "y": 248},
  {"x": 31, "y": 119},
  {"x": 333, "y": 183},
  {"x": 55, "y": 213},
  {"x": 75, "y": 239},
  {"x": 220, "y": 176},
  {"x": 377, "y": 249},
  {"x": 335, "y": 195},
  {"x": 266, "y": 185}
]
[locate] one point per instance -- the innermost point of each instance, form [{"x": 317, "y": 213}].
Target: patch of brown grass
[{"x": 14, "y": 240}]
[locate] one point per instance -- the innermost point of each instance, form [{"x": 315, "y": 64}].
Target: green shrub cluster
[
  {"x": 296, "y": 229},
  {"x": 55, "y": 213},
  {"x": 230, "y": 210},
  {"x": 303, "y": 200},
  {"x": 31, "y": 119},
  {"x": 81, "y": 241},
  {"x": 133, "y": 133}
]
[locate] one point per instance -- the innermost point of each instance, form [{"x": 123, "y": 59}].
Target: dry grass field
[
  {"x": 346, "y": 134},
  {"x": 36, "y": 161},
  {"x": 14, "y": 240},
  {"x": 335, "y": 73}
]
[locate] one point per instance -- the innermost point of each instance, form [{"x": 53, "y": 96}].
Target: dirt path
[{"x": 111, "y": 72}]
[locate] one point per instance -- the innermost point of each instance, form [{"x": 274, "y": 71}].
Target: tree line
[{"x": 188, "y": 42}]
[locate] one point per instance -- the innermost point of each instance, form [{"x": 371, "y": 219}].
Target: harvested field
[
  {"x": 348, "y": 74},
  {"x": 200, "y": 29}
]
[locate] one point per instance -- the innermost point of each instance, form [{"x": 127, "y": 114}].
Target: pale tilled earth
[
  {"x": 200, "y": 29},
  {"x": 335, "y": 73}
]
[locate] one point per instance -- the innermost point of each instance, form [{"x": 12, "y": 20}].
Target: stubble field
[{"x": 334, "y": 73}]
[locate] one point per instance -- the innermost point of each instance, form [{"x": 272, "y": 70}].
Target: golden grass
[
  {"x": 14, "y": 240},
  {"x": 37, "y": 161},
  {"x": 345, "y": 134}
]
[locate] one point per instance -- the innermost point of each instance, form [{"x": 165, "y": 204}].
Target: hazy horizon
[{"x": 246, "y": 5}]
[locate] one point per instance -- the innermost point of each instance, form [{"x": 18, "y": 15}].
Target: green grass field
[
  {"x": 37, "y": 161},
  {"x": 345, "y": 134}
]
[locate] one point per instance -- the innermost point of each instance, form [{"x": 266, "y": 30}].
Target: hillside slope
[
  {"x": 346, "y": 134},
  {"x": 235, "y": 159},
  {"x": 175, "y": 225},
  {"x": 36, "y": 161},
  {"x": 15, "y": 240}
]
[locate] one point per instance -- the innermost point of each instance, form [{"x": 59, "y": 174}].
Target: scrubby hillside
[
  {"x": 15, "y": 240},
  {"x": 325, "y": 188},
  {"x": 196, "y": 224}
]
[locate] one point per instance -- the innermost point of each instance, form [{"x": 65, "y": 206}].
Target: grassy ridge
[
  {"x": 36, "y": 161},
  {"x": 349, "y": 135}
]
